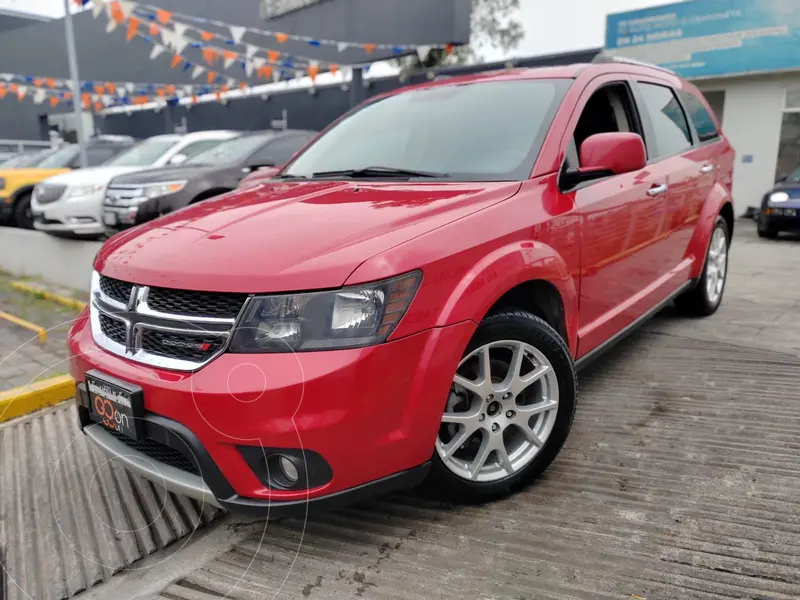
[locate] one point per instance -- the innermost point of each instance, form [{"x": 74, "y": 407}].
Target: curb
[
  {"x": 41, "y": 332},
  {"x": 29, "y": 398},
  {"x": 41, "y": 293}
]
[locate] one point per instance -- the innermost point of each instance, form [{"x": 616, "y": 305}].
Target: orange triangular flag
[
  {"x": 312, "y": 71},
  {"x": 37, "y": 83},
  {"x": 229, "y": 54},
  {"x": 194, "y": 99},
  {"x": 2, "y": 91},
  {"x": 161, "y": 93},
  {"x": 12, "y": 88},
  {"x": 273, "y": 55},
  {"x": 51, "y": 83},
  {"x": 448, "y": 48},
  {"x": 20, "y": 94},
  {"x": 206, "y": 36},
  {"x": 333, "y": 68},
  {"x": 219, "y": 96},
  {"x": 116, "y": 13},
  {"x": 265, "y": 71},
  {"x": 163, "y": 16},
  {"x": 171, "y": 90},
  {"x": 208, "y": 55},
  {"x": 242, "y": 85},
  {"x": 111, "y": 88},
  {"x": 67, "y": 95},
  {"x": 211, "y": 76},
  {"x": 85, "y": 99},
  {"x": 175, "y": 61},
  {"x": 133, "y": 25},
  {"x": 281, "y": 37},
  {"x": 368, "y": 48},
  {"x": 53, "y": 101},
  {"x": 98, "y": 106},
  {"x": 154, "y": 30},
  {"x": 99, "y": 89}
]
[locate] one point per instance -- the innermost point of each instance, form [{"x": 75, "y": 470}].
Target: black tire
[
  {"x": 22, "y": 211},
  {"x": 696, "y": 302},
  {"x": 764, "y": 231},
  {"x": 521, "y": 326}
]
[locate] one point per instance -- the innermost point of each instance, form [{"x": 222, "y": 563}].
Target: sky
[{"x": 549, "y": 26}]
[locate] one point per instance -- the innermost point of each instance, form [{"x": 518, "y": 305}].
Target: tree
[{"x": 494, "y": 26}]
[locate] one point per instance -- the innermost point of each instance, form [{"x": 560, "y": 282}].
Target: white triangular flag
[
  {"x": 276, "y": 74},
  {"x": 197, "y": 71},
  {"x": 39, "y": 96},
  {"x": 112, "y": 24},
  {"x": 22, "y": 89},
  {"x": 250, "y": 51},
  {"x": 121, "y": 91},
  {"x": 126, "y": 6},
  {"x": 131, "y": 87},
  {"x": 259, "y": 62},
  {"x": 230, "y": 61},
  {"x": 189, "y": 89},
  {"x": 423, "y": 52},
  {"x": 180, "y": 29},
  {"x": 156, "y": 51},
  {"x": 97, "y": 7},
  {"x": 237, "y": 33},
  {"x": 342, "y": 46},
  {"x": 248, "y": 68},
  {"x": 106, "y": 99}
]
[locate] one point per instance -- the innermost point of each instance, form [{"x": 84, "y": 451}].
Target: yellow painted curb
[
  {"x": 30, "y": 289},
  {"x": 40, "y": 331},
  {"x": 28, "y": 398}
]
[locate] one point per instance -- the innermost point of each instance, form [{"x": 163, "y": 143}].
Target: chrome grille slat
[{"x": 125, "y": 324}]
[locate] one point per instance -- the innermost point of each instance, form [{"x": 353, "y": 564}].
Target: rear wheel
[
  {"x": 509, "y": 409},
  {"x": 704, "y": 299},
  {"x": 22, "y": 211}
]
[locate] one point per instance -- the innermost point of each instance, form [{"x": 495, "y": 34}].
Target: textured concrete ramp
[
  {"x": 69, "y": 518},
  {"x": 681, "y": 480}
]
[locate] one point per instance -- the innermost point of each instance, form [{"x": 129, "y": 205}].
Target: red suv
[{"x": 411, "y": 296}]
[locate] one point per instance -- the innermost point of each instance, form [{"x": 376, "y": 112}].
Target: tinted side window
[
  {"x": 198, "y": 147},
  {"x": 97, "y": 156},
  {"x": 669, "y": 123},
  {"x": 701, "y": 118},
  {"x": 280, "y": 151}
]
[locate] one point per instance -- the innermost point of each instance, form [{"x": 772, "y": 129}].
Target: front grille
[
  {"x": 159, "y": 452},
  {"x": 196, "y": 304},
  {"x": 116, "y": 290},
  {"x": 112, "y": 328},
  {"x": 181, "y": 346},
  {"x": 48, "y": 193}
]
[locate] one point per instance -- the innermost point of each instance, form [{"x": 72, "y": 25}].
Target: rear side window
[
  {"x": 701, "y": 118},
  {"x": 196, "y": 148},
  {"x": 669, "y": 122},
  {"x": 98, "y": 156}
]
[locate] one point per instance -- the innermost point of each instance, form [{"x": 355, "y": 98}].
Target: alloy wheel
[
  {"x": 717, "y": 265},
  {"x": 500, "y": 412}
]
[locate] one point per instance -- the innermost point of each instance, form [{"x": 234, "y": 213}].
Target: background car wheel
[
  {"x": 509, "y": 410},
  {"x": 704, "y": 299},
  {"x": 766, "y": 232},
  {"x": 22, "y": 212}
]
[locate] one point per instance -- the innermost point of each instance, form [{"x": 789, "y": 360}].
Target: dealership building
[{"x": 745, "y": 57}]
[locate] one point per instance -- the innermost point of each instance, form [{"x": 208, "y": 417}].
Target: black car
[
  {"x": 142, "y": 196},
  {"x": 780, "y": 207}
]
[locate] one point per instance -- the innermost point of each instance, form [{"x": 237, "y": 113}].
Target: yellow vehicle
[{"x": 16, "y": 185}]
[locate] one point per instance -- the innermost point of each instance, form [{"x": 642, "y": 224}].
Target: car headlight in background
[
  {"x": 350, "y": 317},
  {"x": 80, "y": 191},
  {"x": 154, "y": 190},
  {"x": 778, "y": 197}
]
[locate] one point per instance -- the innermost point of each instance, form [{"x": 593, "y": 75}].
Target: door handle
[
  {"x": 656, "y": 190},
  {"x": 706, "y": 168}
]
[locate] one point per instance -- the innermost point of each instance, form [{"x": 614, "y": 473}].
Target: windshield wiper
[
  {"x": 378, "y": 172},
  {"x": 288, "y": 176}
]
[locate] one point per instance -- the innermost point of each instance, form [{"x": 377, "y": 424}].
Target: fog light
[{"x": 288, "y": 470}]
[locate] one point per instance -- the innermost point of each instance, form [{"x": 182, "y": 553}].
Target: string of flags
[{"x": 150, "y": 13}]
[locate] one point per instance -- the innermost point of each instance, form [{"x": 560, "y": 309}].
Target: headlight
[
  {"x": 2, "y": 183},
  {"x": 85, "y": 190},
  {"x": 351, "y": 317},
  {"x": 778, "y": 197},
  {"x": 154, "y": 190}
]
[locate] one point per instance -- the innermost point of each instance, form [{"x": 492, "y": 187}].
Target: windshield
[
  {"x": 59, "y": 159},
  {"x": 230, "y": 151},
  {"x": 143, "y": 154},
  {"x": 475, "y": 131},
  {"x": 22, "y": 161}
]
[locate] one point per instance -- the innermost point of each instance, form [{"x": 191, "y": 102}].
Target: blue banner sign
[{"x": 709, "y": 38}]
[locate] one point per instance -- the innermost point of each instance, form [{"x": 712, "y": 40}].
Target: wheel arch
[
  {"x": 21, "y": 191},
  {"x": 718, "y": 203}
]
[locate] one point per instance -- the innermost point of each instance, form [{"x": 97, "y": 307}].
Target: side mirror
[
  {"x": 178, "y": 159},
  {"x": 605, "y": 154}
]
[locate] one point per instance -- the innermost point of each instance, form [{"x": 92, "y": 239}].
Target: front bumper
[
  {"x": 370, "y": 414},
  {"x": 79, "y": 215}
]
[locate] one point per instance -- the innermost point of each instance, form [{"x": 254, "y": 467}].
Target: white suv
[{"x": 71, "y": 205}]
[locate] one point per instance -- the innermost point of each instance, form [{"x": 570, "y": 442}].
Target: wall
[
  {"x": 751, "y": 119},
  {"x": 65, "y": 263}
]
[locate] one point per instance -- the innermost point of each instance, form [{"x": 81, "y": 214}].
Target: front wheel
[
  {"x": 509, "y": 409},
  {"x": 704, "y": 299},
  {"x": 23, "y": 217}
]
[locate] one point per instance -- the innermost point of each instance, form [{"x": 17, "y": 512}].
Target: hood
[
  {"x": 287, "y": 236},
  {"x": 92, "y": 175},
  {"x": 171, "y": 173}
]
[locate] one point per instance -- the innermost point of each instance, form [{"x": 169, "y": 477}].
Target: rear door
[{"x": 677, "y": 159}]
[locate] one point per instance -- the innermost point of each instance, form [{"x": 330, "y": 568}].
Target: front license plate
[
  {"x": 110, "y": 219},
  {"x": 116, "y": 404}
]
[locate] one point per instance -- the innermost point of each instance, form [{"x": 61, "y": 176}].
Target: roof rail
[{"x": 606, "y": 58}]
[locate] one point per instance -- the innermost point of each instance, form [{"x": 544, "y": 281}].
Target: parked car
[
  {"x": 24, "y": 159},
  {"x": 143, "y": 196},
  {"x": 16, "y": 185},
  {"x": 780, "y": 208},
  {"x": 411, "y": 296},
  {"x": 72, "y": 204}
]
